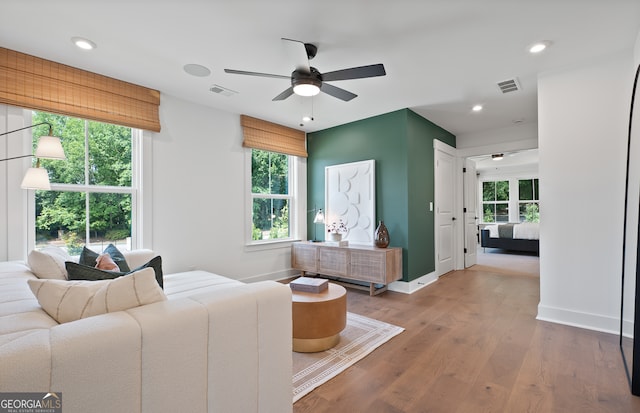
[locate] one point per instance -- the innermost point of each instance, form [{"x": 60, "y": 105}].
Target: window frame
[
  {"x": 134, "y": 190},
  {"x": 292, "y": 197},
  {"x": 514, "y": 194},
  {"x": 536, "y": 194},
  {"x": 495, "y": 202}
]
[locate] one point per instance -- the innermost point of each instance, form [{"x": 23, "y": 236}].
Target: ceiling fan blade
[
  {"x": 242, "y": 72},
  {"x": 298, "y": 54},
  {"x": 336, "y": 92},
  {"x": 284, "y": 95},
  {"x": 355, "y": 73}
]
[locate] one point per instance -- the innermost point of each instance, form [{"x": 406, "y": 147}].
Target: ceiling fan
[{"x": 308, "y": 81}]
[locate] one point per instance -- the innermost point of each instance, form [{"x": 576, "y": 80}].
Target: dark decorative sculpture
[{"x": 381, "y": 236}]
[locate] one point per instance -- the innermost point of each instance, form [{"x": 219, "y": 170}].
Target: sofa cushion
[
  {"x": 186, "y": 284},
  {"x": 25, "y": 321},
  {"x": 48, "y": 263},
  {"x": 105, "y": 262},
  {"x": 84, "y": 272},
  {"x": 136, "y": 258},
  {"x": 72, "y": 300},
  {"x": 89, "y": 257}
]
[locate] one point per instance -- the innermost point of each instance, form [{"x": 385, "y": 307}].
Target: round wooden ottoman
[{"x": 318, "y": 318}]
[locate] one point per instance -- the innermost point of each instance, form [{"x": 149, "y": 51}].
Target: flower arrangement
[{"x": 339, "y": 228}]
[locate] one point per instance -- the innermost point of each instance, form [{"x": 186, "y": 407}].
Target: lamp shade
[
  {"x": 319, "y": 218},
  {"x": 50, "y": 147},
  {"x": 36, "y": 178}
]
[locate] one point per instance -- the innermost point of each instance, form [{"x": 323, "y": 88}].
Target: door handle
[{"x": 453, "y": 218}]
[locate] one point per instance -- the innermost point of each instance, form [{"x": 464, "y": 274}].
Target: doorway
[{"x": 518, "y": 172}]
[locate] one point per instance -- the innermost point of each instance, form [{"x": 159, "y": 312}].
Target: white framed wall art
[{"x": 350, "y": 197}]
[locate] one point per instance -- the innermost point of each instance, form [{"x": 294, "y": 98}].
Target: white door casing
[
  {"x": 470, "y": 200},
  {"x": 445, "y": 218}
]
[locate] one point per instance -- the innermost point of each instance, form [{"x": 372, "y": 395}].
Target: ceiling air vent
[
  {"x": 222, "y": 90},
  {"x": 509, "y": 85}
]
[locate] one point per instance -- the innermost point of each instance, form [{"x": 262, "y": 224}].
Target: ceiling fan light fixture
[
  {"x": 306, "y": 84},
  {"x": 306, "y": 89}
]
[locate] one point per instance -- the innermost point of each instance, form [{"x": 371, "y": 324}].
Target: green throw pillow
[
  {"x": 88, "y": 257},
  {"x": 86, "y": 272}
]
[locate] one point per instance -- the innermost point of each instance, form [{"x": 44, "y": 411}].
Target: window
[
  {"x": 528, "y": 200},
  {"x": 93, "y": 193},
  {"x": 495, "y": 201},
  {"x": 271, "y": 195}
]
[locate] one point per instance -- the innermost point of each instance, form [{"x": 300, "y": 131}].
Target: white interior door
[
  {"x": 444, "y": 202},
  {"x": 470, "y": 201}
]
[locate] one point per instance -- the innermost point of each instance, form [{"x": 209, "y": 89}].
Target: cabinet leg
[{"x": 375, "y": 291}]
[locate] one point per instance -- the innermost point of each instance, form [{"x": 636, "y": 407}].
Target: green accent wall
[{"x": 401, "y": 143}]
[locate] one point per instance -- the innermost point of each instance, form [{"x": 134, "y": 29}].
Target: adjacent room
[{"x": 295, "y": 206}]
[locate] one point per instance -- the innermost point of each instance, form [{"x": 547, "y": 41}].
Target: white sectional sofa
[{"x": 215, "y": 345}]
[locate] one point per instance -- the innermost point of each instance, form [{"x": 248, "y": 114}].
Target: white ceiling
[{"x": 441, "y": 57}]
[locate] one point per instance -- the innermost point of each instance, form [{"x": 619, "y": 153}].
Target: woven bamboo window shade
[
  {"x": 260, "y": 134},
  {"x": 34, "y": 83}
]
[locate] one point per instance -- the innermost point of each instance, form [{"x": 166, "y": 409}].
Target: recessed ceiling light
[
  {"x": 196, "y": 70},
  {"x": 477, "y": 108},
  {"x": 84, "y": 44},
  {"x": 497, "y": 156},
  {"x": 307, "y": 118},
  {"x": 539, "y": 46}
]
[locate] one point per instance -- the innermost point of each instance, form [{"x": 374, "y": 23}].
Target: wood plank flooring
[{"x": 472, "y": 344}]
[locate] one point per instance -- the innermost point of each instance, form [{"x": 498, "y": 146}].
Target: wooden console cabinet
[{"x": 367, "y": 264}]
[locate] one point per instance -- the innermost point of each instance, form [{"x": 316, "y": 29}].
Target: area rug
[{"x": 361, "y": 336}]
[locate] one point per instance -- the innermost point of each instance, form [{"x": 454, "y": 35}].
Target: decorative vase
[
  {"x": 381, "y": 238},
  {"x": 334, "y": 236}
]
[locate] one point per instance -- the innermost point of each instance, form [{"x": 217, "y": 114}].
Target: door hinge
[
  {"x": 465, "y": 250},
  {"x": 464, "y": 209},
  {"x": 464, "y": 170}
]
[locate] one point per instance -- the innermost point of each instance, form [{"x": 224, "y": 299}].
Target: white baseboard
[
  {"x": 596, "y": 322},
  {"x": 414, "y": 285},
  {"x": 627, "y": 328}
]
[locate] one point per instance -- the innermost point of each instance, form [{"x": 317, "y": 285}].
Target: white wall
[
  {"x": 511, "y": 138},
  {"x": 629, "y": 292},
  {"x": 199, "y": 197},
  {"x": 582, "y": 122},
  {"x": 14, "y": 201}
]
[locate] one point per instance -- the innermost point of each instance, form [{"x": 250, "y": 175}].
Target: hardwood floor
[{"x": 472, "y": 344}]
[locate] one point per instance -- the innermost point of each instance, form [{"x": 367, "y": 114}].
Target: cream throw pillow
[
  {"x": 48, "y": 263},
  {"x": 68, "y": 301}
]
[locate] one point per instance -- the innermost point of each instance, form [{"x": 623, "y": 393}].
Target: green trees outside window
[
  {"x": 495, "y": 201},
  {"x": 271, "y": 196},
  {"x": 91, "y": 197},
  {"x": 528, "y": 200},
  {"x": 518, "y": 196}
]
